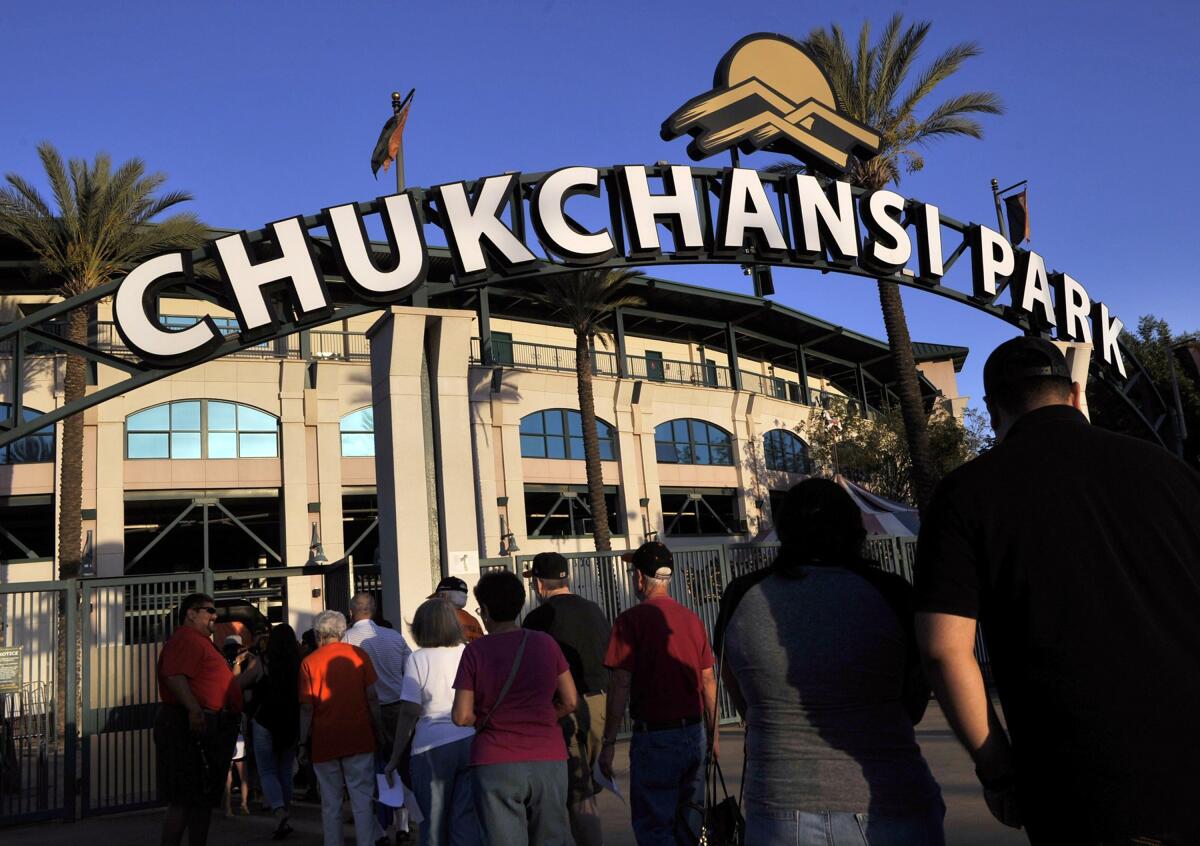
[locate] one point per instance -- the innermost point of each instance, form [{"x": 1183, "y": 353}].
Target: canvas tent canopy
[{"x": 881, "y": 517}]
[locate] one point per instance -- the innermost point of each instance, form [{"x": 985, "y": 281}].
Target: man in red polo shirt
[
  {"x": 661, "y": 663},
  {"x": 197, "y": 725}
]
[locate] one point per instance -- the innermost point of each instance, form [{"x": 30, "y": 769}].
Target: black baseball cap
[
  {"x": 547, "y": 565},
  {"x": 449, "y": 583},
  {"x": 652, "y": 559},
  {"x": 1023, "y": 358}
]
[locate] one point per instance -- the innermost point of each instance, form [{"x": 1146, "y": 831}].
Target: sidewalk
[{"x": 967, "y": 818}]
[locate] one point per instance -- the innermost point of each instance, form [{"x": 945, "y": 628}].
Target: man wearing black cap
[
  {"x": 1078, "y": 551},
  {"x": 454, "y": 590},
  {"x": 662, "y": 666},
  {"x": 581, "y": 630}
]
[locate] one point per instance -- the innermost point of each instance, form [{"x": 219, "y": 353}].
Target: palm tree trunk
[
  {"x": 70, "y": 504},
  {"x": 912, "y": 409},
  {"x": 591, "y": 444}
]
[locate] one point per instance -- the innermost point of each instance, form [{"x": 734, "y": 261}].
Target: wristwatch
[{"x": 608, "y": 741}]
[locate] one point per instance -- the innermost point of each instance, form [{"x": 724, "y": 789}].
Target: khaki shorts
[{"x": 583, "y": 732}]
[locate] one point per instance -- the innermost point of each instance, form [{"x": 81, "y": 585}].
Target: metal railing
[
  {"x": 323, "y": 345},
  {"x": 522, "y": 354}
]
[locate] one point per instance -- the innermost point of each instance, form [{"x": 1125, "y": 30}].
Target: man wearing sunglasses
[{"x": 197, "y": 725}]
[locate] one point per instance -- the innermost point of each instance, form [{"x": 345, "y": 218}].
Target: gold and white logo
[{"x": 769, "y": 94}]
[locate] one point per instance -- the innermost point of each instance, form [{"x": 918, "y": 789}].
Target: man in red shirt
[
  {"x": 661, "y": 663},
  {"x": 197, "y": 725},
  {"x": 340, "y": 720}
]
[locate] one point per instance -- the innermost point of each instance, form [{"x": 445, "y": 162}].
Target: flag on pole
[
  {"x": 1016, "y": 207},
  {"x": 391, "y": 137}
]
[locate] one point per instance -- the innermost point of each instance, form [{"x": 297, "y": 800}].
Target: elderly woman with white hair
[{"x": 340, "y": 727}]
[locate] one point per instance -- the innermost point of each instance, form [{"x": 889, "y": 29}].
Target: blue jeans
[
  {"x": 666, "y": 774},
  {"x": 766, "y": 827},
  {"x": 275, "y": 768},
  {"x": 524, "y": 802},
  {"x": 442, "y": 783}
]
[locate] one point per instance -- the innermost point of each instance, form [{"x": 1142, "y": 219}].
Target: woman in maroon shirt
[{"x": 518, "y": 757}]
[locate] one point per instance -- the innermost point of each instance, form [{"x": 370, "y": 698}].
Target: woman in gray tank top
[{"x": 820, "y": 658}]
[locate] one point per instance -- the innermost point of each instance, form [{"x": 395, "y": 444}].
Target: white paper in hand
[
  {"x": 609, "y": 784},
  {"x": 392, "y": 794}
]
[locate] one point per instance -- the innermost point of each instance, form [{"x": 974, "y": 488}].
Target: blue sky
[{"x": 266, "y": 110}]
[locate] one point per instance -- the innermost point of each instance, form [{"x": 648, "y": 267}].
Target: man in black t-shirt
[
  {"x": 1078, "y": 551},
  {"x": 581, "y": 630}
]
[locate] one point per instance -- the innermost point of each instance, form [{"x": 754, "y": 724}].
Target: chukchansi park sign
[
  {"x": 798, "y": 220},
  {"x": 767, "y": 94}
]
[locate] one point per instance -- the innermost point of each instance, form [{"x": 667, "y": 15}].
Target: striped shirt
[{"x": 389, "y": 653}]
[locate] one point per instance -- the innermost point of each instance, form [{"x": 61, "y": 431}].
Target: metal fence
[
  {"x": 126, "y": 620},
  {"x": 37, "y": 701},
  {"x": 110, "y": 632}
]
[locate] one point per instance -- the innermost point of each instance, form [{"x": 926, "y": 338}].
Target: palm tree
[
  {"x": 870, "y": 83},
  {"x": 584, "y": 299},
  {"x": 102, "y": 227}
]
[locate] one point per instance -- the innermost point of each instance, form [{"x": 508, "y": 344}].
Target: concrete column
[
  {"x": 400, "y": 341},
  {"x": 509, "y": 428},
  {"x": 629, "y": 461},
  {"x": 397, "y": 349},
  {"x": 484, "y": 435},
  {"x": 109, "y": 537},
  {"x": 746, "y": 477},
  {"x": 293, "y": 465},
  {"x": 449, "y": 349},
  {"x": 324, "y": 406},
  {"x": 643, "y": 428}
]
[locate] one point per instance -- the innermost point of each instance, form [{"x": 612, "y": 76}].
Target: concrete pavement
[{"x": 967, "y": 819}]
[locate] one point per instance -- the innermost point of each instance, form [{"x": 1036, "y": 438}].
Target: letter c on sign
[{"x": 142, "y": 333}]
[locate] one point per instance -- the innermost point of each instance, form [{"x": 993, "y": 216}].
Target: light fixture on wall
[
  {"x": 648, "y": 533},
  {"x": 508, "y": 543},
  {"x": 316, "y": 552}
]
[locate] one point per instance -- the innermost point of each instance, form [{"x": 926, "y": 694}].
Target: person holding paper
[{"x": 441, "y": 751}]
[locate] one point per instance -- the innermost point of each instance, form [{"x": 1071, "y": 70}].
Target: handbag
[
  {"x": 512, "y": 675},
  {"x": 723, "y": 822}
]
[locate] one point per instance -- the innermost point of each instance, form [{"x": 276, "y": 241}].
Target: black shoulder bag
[
  {"x": 722, "y": 822},
  {"x": 508, "y": 682}
]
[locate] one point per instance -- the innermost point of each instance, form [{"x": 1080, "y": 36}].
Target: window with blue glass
[
  {"x": 35, "y": 448},
  {"x": 558, "y": 433},
  {"x": 201, "y": 429},
  {"x": 358, "y": 433},
  {"x": 785, "y": 452},
  {"x": 690, "y": 441}
]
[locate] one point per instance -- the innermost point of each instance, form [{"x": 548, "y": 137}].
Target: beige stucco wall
[{"x": 481, "y": 454}]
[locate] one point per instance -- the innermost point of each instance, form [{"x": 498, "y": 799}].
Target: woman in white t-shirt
[{"x": 441, "y": 751}]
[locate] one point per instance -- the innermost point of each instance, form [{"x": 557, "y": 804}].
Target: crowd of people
[{"x": 1087, "y": 592}]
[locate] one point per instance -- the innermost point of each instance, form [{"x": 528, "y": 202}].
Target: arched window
[
  {"x": 201, "y": 429},
  {"x": 692, "y": 442},
  {"x": 35, "y": 448},
  {"x": 558, "y": 433},
  {"x": 785, "y": 452},
  {"x": 358, "y": 433}
]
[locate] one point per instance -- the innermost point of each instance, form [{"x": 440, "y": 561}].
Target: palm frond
[
  {"x": 940, "y": 69},
  {"x": 105, "y": 221}
]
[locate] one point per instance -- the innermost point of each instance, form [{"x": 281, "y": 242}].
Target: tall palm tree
[
  {"x": 584, "y": 300},
  {"x": 871, "y": 84},
  {"x": 104, "y": 224}
]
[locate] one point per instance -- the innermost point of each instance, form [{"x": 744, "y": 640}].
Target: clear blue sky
[{"x": 266, "y": 110}]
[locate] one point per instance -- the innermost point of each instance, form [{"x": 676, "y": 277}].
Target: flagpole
[
  {"x": 996, "y": 200},
  {"x": 397, "y": 97}
]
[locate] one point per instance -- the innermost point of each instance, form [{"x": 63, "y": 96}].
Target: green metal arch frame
[{"x": 1137, "y": 392}]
